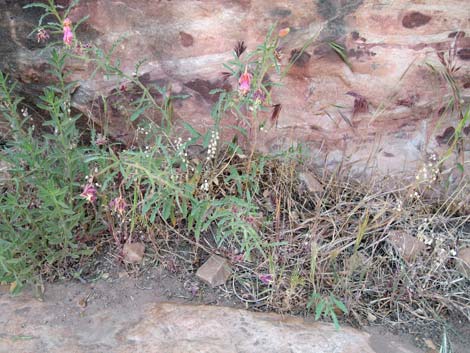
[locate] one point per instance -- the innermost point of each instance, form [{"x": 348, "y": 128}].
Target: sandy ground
[{"x": 97, "y": 311}]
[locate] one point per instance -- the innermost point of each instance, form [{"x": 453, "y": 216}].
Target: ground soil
[{"x": 125, "y": 290}]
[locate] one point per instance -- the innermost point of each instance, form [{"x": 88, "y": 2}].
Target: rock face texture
[
  {"x": 45, "y": 327},
  {"x": 387, "y": 108},
  {"x": 175, "y": 329}
]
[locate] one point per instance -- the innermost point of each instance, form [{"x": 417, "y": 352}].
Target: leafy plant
[
  {"x": 252, "y": 103},
  {"x": 326, "y": 306},
  {"x": 41, "y": 211}
]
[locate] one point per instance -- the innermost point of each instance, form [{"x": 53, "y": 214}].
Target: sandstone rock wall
[{"x": 399, "y": 115}]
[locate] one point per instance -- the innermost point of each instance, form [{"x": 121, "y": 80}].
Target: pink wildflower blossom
[
  {"x": 244, "y": 83},
  {"x": 238, "y": 258},
  {"x": 266, "y": 278},
  {"x": 101, "y": 140},
  {"x": 118, "y": 205},
  {"x": 68, "y": 34},
  {"x": 259, "y": 96},
  {"x": 42, "y": 35},
  {"x": 89, "y": 193}
]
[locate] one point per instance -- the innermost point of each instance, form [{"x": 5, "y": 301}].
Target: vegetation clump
[{"x": 338, "y": 250}]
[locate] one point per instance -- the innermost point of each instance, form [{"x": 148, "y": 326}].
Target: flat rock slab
[
  {"x": 170, "y": 328},
  {"x": 30, "y": 326}
]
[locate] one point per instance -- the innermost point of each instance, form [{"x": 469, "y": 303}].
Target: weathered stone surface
[
  {"x": 222, "y": 330},
  {"x": 27, "y": 326},
  {"x": 384, "y": 111},
  {"x": 215, "y": 271}
]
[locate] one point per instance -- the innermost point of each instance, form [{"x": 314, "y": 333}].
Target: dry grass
[{"x": 337, "y": 242}]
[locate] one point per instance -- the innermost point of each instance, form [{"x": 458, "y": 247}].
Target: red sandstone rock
[
  {"x": 215, "y": 271},
  {"x": 133, "y": 252},
  {"x": 185, "y": 46},
  {"x": 51, "y": 327}
]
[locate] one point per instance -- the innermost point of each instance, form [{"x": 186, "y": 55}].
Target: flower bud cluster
[{"x": 212, "y": 148}]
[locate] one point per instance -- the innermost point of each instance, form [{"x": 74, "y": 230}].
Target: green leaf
[
  {"x": 36, "y": 4},
  {"x": 241, "y": 130},
  {"x": 138, "y": 113},
  {"x": 191, "y": 130},
  {"x": 216, "y": 90},
  {"x": 149, "y": 203},
  {"x": 335, "y": 319},
  {"x": 339, "y": 304},
  {"x": 311, "y": 301},
  {"x": 319, "y": 309},
  {"x": 207, "y": 139},
  {"x": 80, "y": 22},
  {"x": 167, "y": 208},
  {"x": 190, "y": 221},
  {"x": 153, "y": 215},
  {"x": 183, "y": 206},
  {"x": 341, "y": 51}
]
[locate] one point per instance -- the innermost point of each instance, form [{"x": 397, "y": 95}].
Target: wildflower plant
[
  {"x": 257, "y": 73},
  {"x": 55, "y": 21},
  {"x": 253, "y": 93},
  {"x": 41, "y": 212}
]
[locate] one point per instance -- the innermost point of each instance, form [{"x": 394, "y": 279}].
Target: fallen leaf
[
  {"x": 105, "y": 276},
  {"x": 407, "y": 245},
  {"x": 123, "y": 274},
  {"x": 311, "y": 182}
]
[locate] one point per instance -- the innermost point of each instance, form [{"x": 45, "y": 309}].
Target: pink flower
[
  {"x": 118, "y": 205},
  {"x": 89, "y": 193},
  {"x": 237, "y": 258},
  {"x": 244, "y": 83},
  {"x": 266, "y": 278},
  {"x": 101, "y": 140},
  {"x": 68, "y": 34},
  {"x": 42, "y": 35},
  {"x": 259, "y": 96}
]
